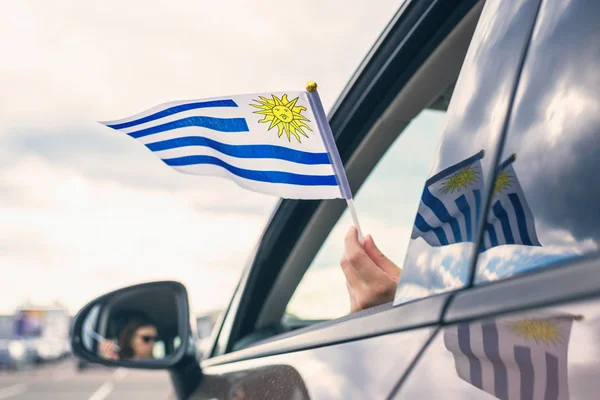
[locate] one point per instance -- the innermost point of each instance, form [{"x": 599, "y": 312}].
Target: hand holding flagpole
[{"x": 332, "y": 150}]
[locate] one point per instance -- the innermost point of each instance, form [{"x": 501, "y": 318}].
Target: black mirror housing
[{"x": 115, "y": 328}]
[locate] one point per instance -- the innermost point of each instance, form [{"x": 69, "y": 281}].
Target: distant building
[{"x": 7, "y": 329}]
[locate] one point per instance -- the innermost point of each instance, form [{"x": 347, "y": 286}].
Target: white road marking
[
  {"x": 103, "y": 391},
  {"x": 13, "y": 390},
  {"x": 119, "y": 374}
]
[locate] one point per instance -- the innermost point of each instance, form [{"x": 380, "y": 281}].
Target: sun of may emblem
[
  {"x": 283, "y": 114},
  {"x": 503, "y": 182},
  {"x": 538, "y": 330},
  {"x": 463, "y": 178}
]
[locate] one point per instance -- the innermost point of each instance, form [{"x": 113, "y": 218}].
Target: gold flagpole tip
[
  {"x": 514, "y": 155},
  {"x": 311, "y": 86}
]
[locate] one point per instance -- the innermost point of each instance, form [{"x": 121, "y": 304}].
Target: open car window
[
  {"x": 388, "y": 198},
  {"x": 386, "y": 204},
  {"x": 295, "y": 278}
]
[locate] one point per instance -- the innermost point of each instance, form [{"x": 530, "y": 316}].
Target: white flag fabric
[
  {"x": 515, "y": 359},
  {"x": 274, "y": 143},
  {"x": 451, "y": 204},
  {"x": 510, "y": 220}
]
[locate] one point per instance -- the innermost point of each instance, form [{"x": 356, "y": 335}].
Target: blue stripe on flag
[
  {"x": 261, "y": 176},
  {"x": 492, "y": 233},
  {"x": 244, "y": 151},
  {"x": 463, "y": 206},
  {"x": 217, "y": 124},
  {"x": 491, "y": 348},
  {"x": 552, "y": 377},
  {"x": 525, "y": 364},
  {"x": 424, "y": 227},
  {"x": 174, "y": 110},
  {"x": 477, "y": 194},
  {"x": 521, "y": 219},
  {"x": 440, "y": 211},
  {"x": 501, "y": 214},
  {"x": 464, "y": 344}
]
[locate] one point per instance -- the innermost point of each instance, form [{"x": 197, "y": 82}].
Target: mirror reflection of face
[{"x": 143, "y": 341}]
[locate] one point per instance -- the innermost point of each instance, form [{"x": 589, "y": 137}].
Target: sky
[{"x": 85, "y": 210}]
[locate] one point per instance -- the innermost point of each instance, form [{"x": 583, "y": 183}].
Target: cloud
[
  {"x": 113, "y": 58},
  {"x": 429, "y": 270},
  {"x": 433, "y": 269},
  {"x": 478, "y": 109},
  {"x": 68, "y": 225},
  {"x": 85, "y": 210},
  {"x": 555, "y": 130},
  {"x": 505, "y": 261},
  {"x": 322, "y": 294},
  {"x": 408, "y": 291}
]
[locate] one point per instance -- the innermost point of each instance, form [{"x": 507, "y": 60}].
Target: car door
[
  {"x": 273, "y": 342},
  {"x": 528, "y": 327}
]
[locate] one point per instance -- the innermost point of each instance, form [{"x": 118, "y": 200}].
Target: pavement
[{"x": 62, "y": 381}]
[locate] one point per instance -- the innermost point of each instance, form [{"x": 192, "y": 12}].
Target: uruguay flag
[
  {"x": 274, "y": 143},
  {"x": 451, "y": 204},
  {"x": 510, "y": 220},
  {"x": 514, "y": 358}
]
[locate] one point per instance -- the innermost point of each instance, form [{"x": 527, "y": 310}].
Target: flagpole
[
  {"x": 350, "y": 203},
  {"x": 332, "y": 150}
]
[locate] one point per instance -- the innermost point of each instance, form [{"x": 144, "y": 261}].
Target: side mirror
[{"x": 141, "y": 326}]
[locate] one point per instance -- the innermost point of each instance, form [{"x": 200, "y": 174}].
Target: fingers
[
  {"x": 107, "y": 350},
  {"x": 380, "y": 259},
  {"x": 352, "y": 277},
  {"x": 103, "y": 350},
  {"x": 106, "y": 347},
  {"x": 368, "y": 284},
  {"x": 356, "y": 258}
]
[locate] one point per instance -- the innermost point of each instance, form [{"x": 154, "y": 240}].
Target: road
[{"x": 62, "y": 381}]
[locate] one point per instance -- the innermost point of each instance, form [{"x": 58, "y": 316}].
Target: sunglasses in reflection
[{"x": 148, "y": 338}]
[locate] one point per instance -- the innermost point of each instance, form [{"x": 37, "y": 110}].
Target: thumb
[{"x": 380, "y": 259}]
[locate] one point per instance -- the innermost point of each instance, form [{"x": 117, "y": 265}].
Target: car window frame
[{"x": 413, "y": 35}]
